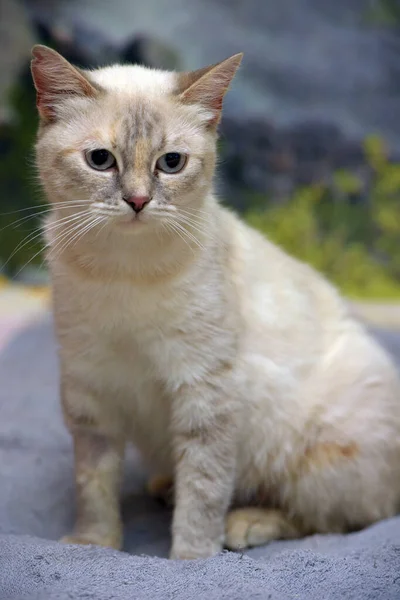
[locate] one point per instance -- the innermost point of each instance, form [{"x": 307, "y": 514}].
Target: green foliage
[
  {"x": 19, "y": 188},
  {"x": 356, "y": 244},
  {"x": 348, "y": 232},
  {"x": 384, "y": 12}
]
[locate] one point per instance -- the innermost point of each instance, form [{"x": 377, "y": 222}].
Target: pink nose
[{"x": 137, "y": 202}]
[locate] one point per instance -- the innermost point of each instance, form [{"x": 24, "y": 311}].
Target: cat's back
[{"x": 281, "y": 296}]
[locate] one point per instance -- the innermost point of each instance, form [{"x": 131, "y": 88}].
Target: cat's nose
[{"x": 137, "y": 203}]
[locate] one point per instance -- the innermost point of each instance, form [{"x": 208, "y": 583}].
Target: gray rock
[
  {"x": 150, "y": 52},
  {"x": 304, "y": 59},
  {"x": 16, "y": 39},
  {"x": 317, "y": 75}
]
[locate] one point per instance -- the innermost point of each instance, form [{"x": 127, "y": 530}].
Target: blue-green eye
[{"x": 172, "y": 162}]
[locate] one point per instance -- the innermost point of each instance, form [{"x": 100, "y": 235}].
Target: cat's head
[{"x": 129, "y": 145}]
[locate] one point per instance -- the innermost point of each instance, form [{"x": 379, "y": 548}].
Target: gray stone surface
[{"x": 36, "y": 508}]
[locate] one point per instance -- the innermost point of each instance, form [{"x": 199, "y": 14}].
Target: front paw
[
  {"x": 182, "y": 550},
  {"x": 95, "y": 539}
]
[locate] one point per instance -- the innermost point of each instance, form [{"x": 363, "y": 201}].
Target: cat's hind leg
[
  {"x": 255, "y": 526},
  {"x": 244, "y": 527},
  {"x": 345, "y": 475}
]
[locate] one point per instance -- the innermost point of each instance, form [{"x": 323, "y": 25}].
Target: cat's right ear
[
  {"x": 55, "y": 80},
  {"x": 208, "y": 86}
]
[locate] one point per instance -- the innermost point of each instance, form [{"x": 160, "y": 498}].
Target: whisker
[
  {"x": 70, "y": 229},
  {"x": 34, "y": 234},
  {"x": 197, "y": 226},
  {"x": 193, "y": 215},
  {"x": 78, "y": 235},
  {"x": 28, "y": 262},
  {"x": 192, "y": 225},
  {"x": 186, "y": 233},
  {"x": 86, "y": 227},
  {"x": 50, "y": 206},
  {"x": 195, "y": 211},
  {"x": 171, "y": 226},
  {"x": 196, "y": 208},
  {"x": 101, "y": 228},
  {"x": 27, "y": 218},
  {"x": 19, "y": 222},
  {"x": 199, "y": 220},
  {"x": 190, "y": 236},
  {"x": 91, "y": 225},
  {"x": 66, "y": 235}
]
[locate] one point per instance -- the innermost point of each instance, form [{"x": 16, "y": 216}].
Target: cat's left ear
[
  {"x": 208, "y": 86},
  {"x": 55, "y": 80}
]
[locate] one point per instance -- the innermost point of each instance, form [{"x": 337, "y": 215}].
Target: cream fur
[{"x": 236, "y": 370}]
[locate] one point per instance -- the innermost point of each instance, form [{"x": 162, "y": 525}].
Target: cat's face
[{"x": 130, "y": 146}]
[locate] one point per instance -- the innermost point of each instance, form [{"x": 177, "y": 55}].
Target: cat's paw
[
  {"x": 248, "y": 527},
  {"x": 161, "y": 487},
  {"x": 182, "y": 550},
  {"x": 95, "y": 539}
]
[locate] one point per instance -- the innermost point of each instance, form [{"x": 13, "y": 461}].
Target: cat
[{"x": 237, "y": 371}]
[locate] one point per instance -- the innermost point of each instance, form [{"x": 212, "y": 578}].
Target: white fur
[{"x": 162, "y": 338}]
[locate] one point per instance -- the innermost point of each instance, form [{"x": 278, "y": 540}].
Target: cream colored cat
[{"x": 236, "y": 370}]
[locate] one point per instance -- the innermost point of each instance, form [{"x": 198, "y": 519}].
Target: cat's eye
[
  {"x": 172, "y": 162},
  {"x": 101, "y": 159}
]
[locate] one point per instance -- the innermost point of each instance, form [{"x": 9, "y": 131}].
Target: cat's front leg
[
  {"x": 98, "y": 469},
  {"x": 204, "y": 436},
  {"x": 97, "y": 478}
]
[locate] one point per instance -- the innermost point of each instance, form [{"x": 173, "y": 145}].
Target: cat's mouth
[{"x": 133, "y": 221}]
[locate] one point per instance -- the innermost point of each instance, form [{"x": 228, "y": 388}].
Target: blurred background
[{"x": 310, "y": 140}]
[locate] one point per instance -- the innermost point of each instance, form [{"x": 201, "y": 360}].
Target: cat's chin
[
  {"x": 131, "y": 225},
  {"x": 134, "y": 226}
]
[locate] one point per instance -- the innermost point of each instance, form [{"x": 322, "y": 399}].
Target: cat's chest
[
  {"x": 148, "y": 332},
  {"x": 118, "y": 308}
]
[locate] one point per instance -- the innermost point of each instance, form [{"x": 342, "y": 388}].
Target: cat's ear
[
  {"x": 56, "y": 79},
  {"x": 209, "y": 85}
]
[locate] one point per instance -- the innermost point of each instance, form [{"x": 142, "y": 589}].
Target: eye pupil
[
  {"x": 171, "y": 163},
  {"x": 100, "y": 157},
  {"x": 172, "y": 159}
]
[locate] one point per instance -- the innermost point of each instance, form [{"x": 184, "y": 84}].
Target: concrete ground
[
  {"x": 379, "y": 314},
  {"x": 19, "y": 306}
]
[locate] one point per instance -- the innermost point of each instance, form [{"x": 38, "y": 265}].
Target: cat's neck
[{"x": 144, "y": 257}]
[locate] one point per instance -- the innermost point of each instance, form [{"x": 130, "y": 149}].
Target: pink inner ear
[
  {"x": 210, "y": 88},
  {"x": 42, "y": 92},
  {"x": 209, "y": 92}
]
